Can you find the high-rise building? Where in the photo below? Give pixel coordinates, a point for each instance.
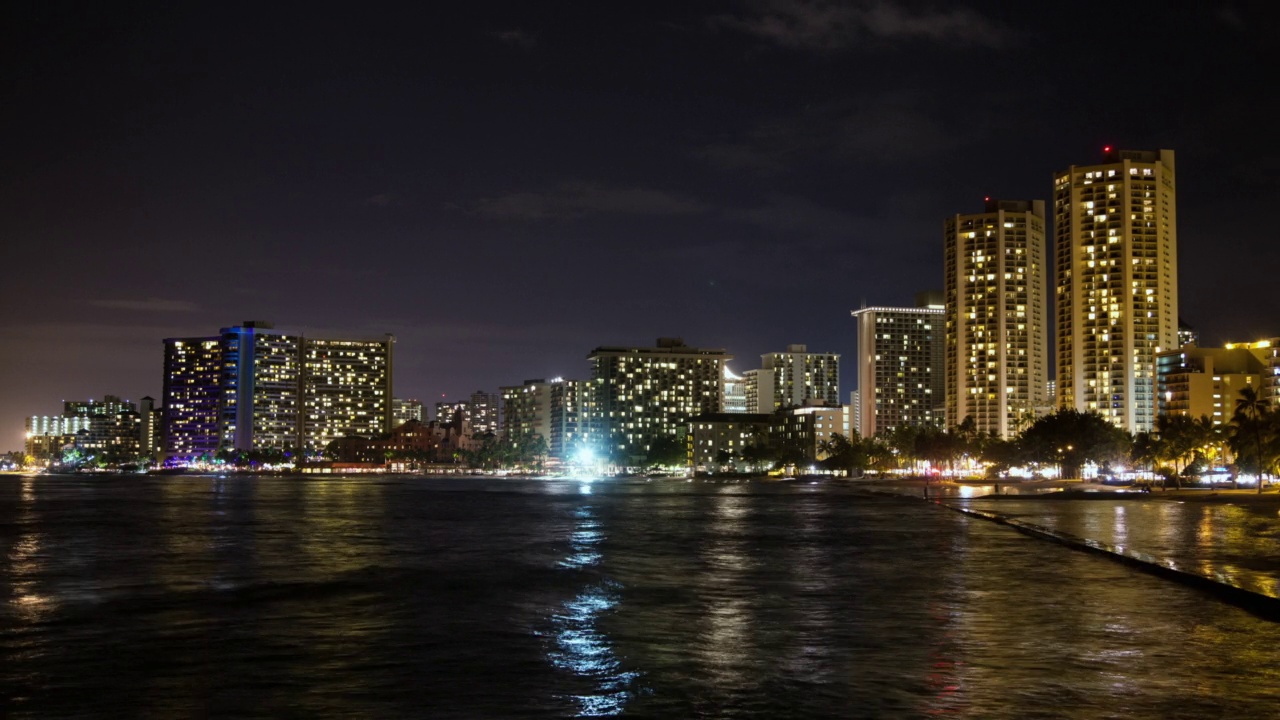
(526, 410)
(260, 394)
(346, 389)
(485, 410)
(642, 394)
(900, 366)
(150, 437)
(192, 396)
(796, 377)
(1115, 231)
(757, 383)
(997, 356)
(735, 392)
(855, 413)
(570, 412)
(252, 389)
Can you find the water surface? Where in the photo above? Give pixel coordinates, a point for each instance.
(481, 597)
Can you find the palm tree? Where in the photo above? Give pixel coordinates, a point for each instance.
(1145, 451)
(1247, 420)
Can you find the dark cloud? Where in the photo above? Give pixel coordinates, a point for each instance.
(575, 200)
(887, 128)
(152, 304)
(380, 200)
(825, 26)
(1230, 17)
(516, 38)
(798, 218)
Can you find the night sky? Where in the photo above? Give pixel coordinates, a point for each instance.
(505, 186)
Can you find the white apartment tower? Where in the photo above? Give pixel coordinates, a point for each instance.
(900, 366)
(796, 378)
(997, 354)
(1115, 232)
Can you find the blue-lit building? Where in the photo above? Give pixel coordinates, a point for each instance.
(251, 388)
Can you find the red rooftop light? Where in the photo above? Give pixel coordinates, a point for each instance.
(1106, 149)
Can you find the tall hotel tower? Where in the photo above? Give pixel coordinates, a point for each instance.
(996, 339)
(900, 358)
(1115, 227)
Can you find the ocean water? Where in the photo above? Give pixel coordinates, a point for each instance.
(391, 597)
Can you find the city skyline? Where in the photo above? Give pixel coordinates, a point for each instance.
(504, 188)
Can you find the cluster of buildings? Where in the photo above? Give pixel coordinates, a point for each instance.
(982, 351)
(121, 430)
(978, 349)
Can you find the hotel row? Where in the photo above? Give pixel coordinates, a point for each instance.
(979, 349)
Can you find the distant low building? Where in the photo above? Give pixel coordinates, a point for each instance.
(717, 437)
(1196, 381)
(405, 410)
(807, 429)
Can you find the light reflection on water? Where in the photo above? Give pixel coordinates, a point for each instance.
(581, 647)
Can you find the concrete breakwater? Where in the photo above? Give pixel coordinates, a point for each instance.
(1258, 601)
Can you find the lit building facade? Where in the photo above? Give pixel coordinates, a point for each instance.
(796, 377)
(1187, 335)
(735, 392)
(755, 384)
(108, 405)
(900, 367)
(150, 426)
(402, 411)
(727, 433)
(641, 394)
(485, 409)
(447, 412)
(570, 412)
(346, 389)
(1205, 382)
(807, 429)
(56, 424)
(192, 396)
(855, 413)
(526, 410)
(48, 435)
(996, 336)
(1115, 232)
(252, 389)
(260, 400)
